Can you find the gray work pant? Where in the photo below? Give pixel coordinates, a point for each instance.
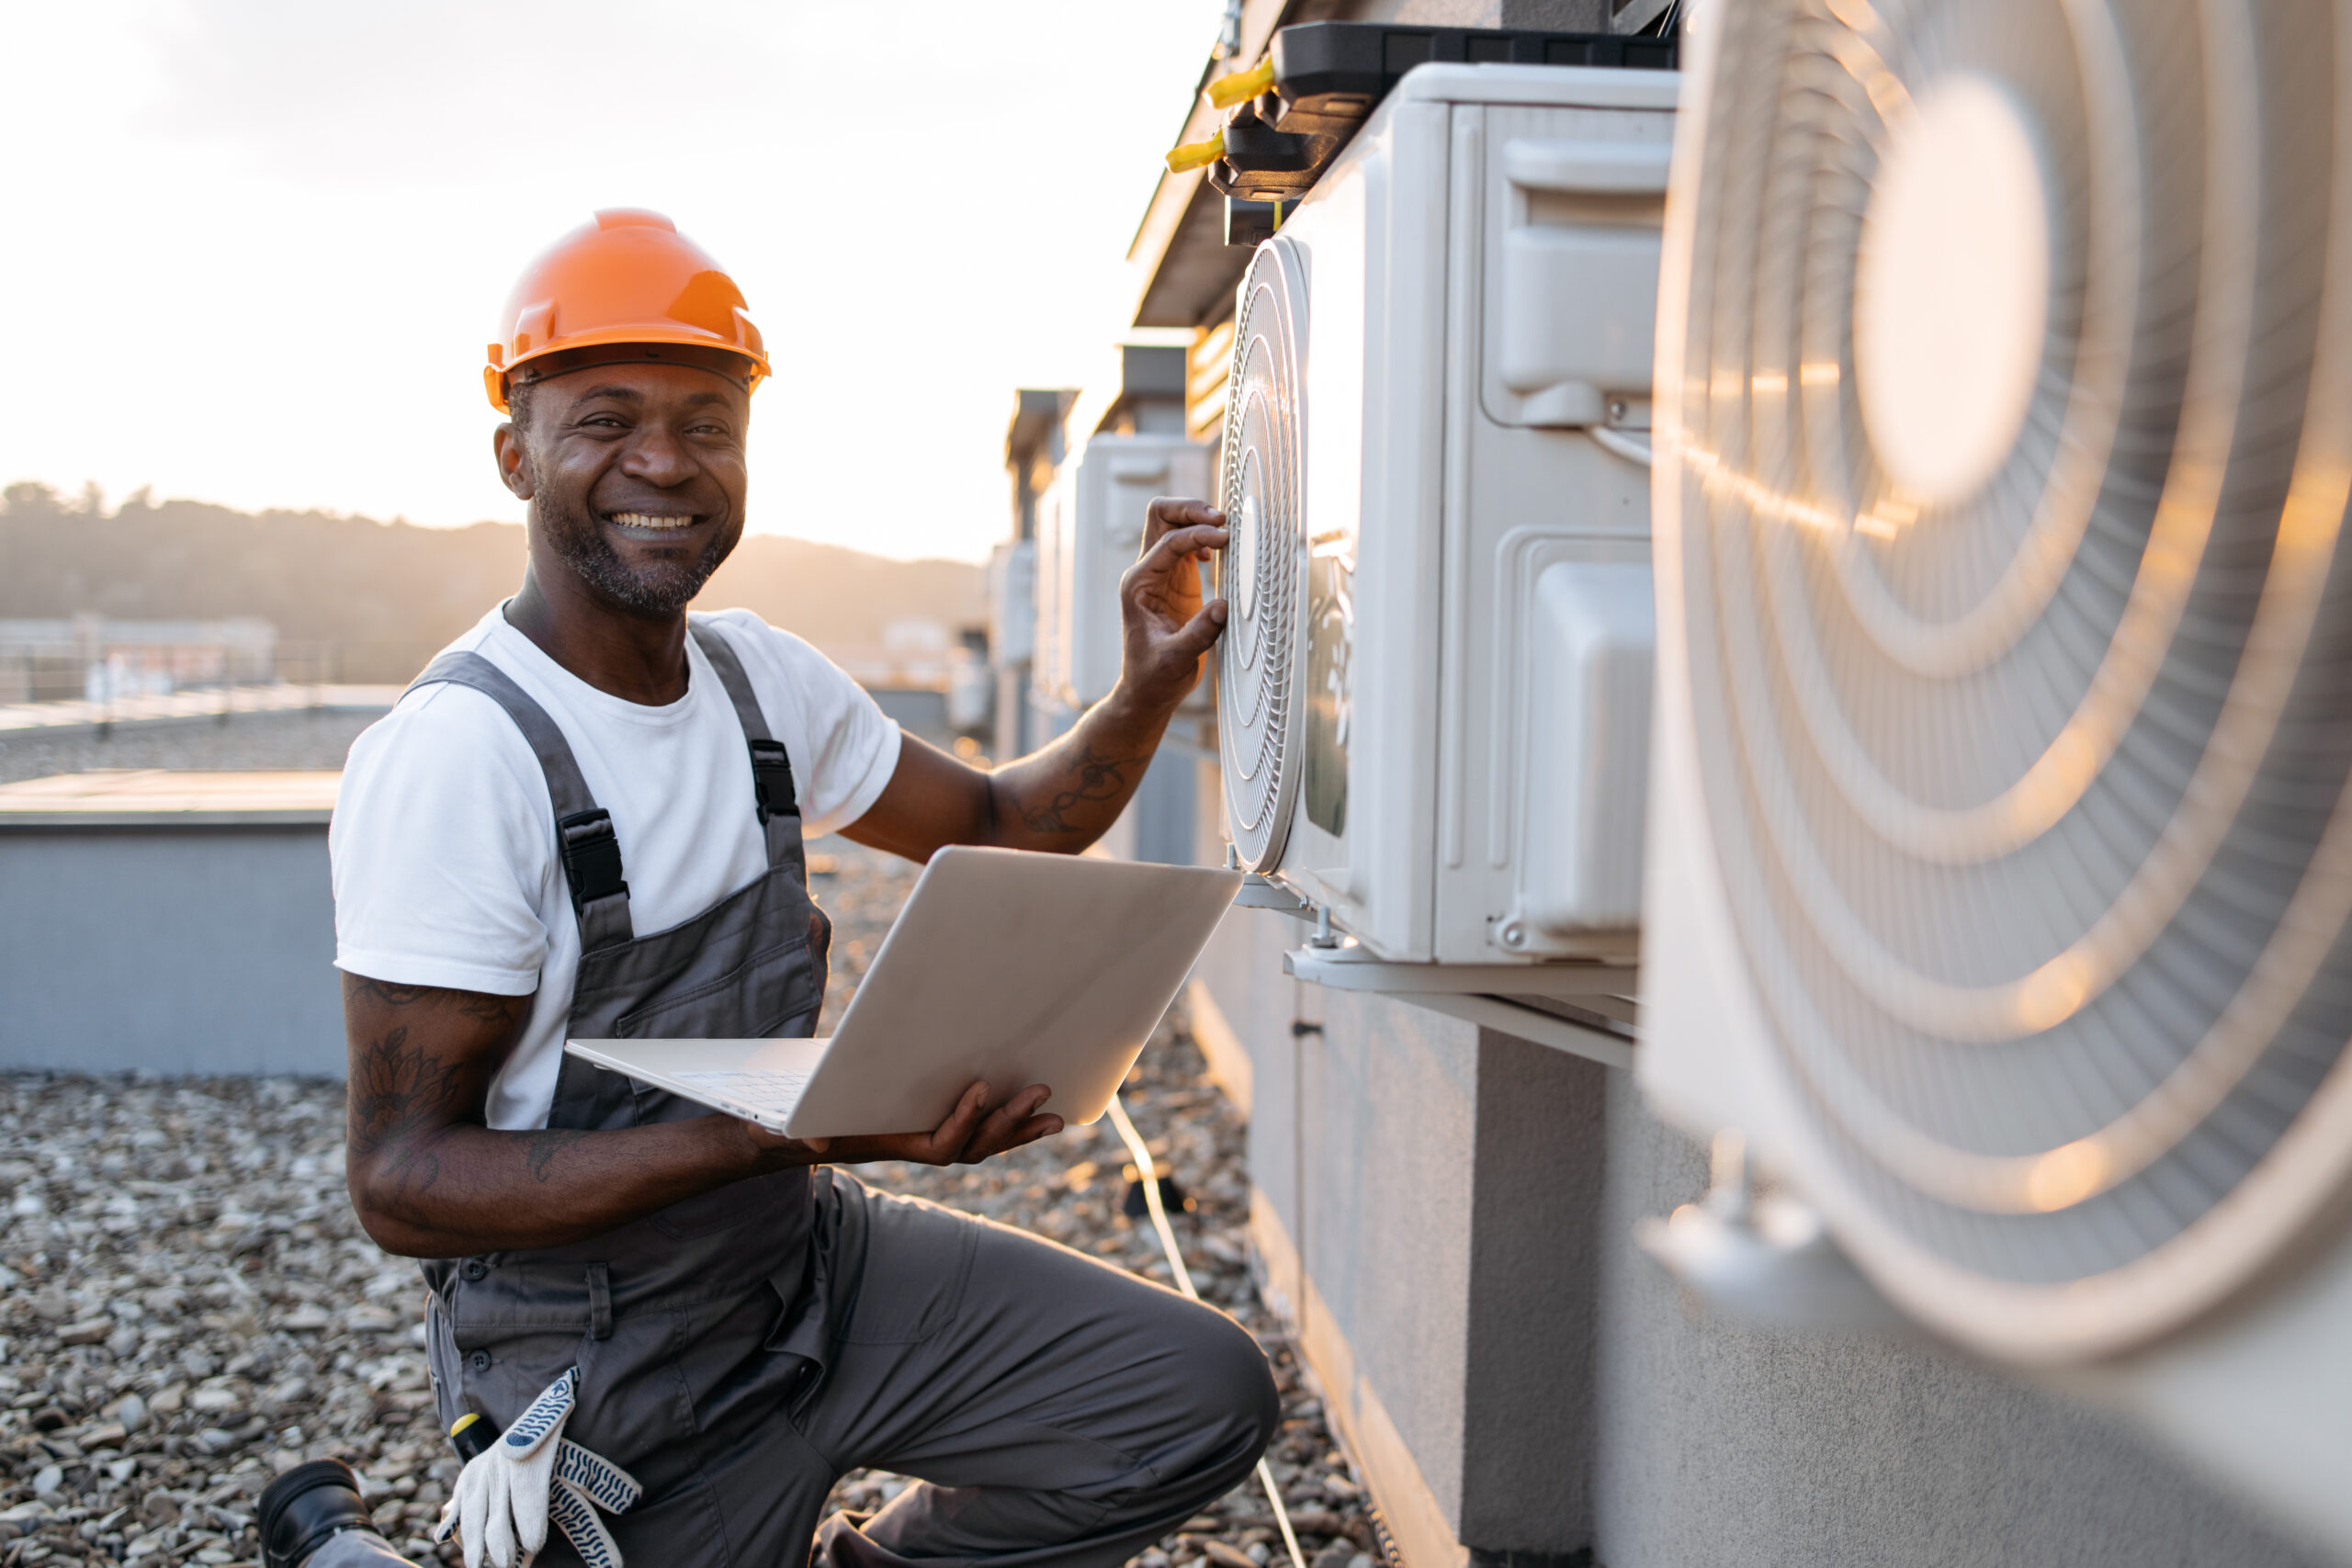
(1059, 1413)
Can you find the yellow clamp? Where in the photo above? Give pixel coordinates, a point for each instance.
(1192, 155)
(1227, 91)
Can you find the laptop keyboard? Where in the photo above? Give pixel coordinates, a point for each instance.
(766, 1096)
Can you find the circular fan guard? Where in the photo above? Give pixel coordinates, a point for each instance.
(1262, 571)
(2030, 805)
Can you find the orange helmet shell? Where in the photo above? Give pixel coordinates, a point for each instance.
(628, 277)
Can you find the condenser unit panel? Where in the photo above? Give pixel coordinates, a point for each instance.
(1049, 674)
(1592, 640)
(1012, 601)
(1091, 524)
(1426, 519)
(1574, 208)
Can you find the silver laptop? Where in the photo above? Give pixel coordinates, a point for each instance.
(1014, 967)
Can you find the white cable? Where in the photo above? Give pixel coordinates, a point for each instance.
(1149, 1175)
(1624, 447)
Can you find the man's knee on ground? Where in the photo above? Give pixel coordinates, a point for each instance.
(1230, 1385)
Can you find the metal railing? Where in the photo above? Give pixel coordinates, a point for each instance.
(111, 674)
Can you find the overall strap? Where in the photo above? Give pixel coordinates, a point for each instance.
(772, 788)
(584, 839)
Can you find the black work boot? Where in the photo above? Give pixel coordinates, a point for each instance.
(302, 1507)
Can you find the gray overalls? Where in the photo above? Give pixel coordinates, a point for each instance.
(740, 1350)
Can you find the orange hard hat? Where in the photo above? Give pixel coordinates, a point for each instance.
(628, 278)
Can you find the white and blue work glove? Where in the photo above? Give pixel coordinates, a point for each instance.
(508, 1493)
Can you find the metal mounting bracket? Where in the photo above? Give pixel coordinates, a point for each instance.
(1352, 967)
(1264, 893)
(1483, 994)
(1767, 1258)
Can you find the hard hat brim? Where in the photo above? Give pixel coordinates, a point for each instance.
(651, 337)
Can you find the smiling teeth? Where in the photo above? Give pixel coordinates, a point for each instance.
(645, 520)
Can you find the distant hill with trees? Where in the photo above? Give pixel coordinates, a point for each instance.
(386, 595)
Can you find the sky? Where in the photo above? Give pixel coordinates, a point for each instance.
(256, 246)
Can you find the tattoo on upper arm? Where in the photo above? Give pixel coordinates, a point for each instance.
(403, 1093)
(384, 993)
(474, 1005)
(487, 1009)
(1094, 780)
(400, 1094)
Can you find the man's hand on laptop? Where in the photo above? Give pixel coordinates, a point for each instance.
(429, 1180)
(971, 1133)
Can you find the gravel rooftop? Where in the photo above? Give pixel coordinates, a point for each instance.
(303, 739)
(188, 1306)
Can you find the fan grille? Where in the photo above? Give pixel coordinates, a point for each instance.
(2030, 806)
(1261, 569)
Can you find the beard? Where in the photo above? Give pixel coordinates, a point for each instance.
(659, 589)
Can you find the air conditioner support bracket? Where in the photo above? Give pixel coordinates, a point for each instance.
(1467, 991)
(1767, 1258)
(1350, 967)
(1265, 893)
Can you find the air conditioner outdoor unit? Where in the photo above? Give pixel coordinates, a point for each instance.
(1090, 530)
(1012, 601)
(1050, 586)
(1434, 688)
(2001, 860)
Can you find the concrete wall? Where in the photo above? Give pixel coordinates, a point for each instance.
(1424, 1198)
(1445, 1215)
(1717, 1443)
(1158, 823)
(181, 950)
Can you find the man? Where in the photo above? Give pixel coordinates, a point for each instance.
(585, 820)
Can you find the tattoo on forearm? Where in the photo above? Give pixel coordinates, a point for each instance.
(541, 1147)
(1095, 779)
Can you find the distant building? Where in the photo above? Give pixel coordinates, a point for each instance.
(90, 658)
(1032, 450)
(1141, 391)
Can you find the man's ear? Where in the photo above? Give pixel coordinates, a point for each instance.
(514, 460)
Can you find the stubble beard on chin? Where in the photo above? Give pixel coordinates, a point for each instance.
(661, 589)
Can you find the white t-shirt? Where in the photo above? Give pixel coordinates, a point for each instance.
(442, 839)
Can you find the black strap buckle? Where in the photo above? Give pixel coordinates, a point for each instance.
(591, 857)
(771, 781)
